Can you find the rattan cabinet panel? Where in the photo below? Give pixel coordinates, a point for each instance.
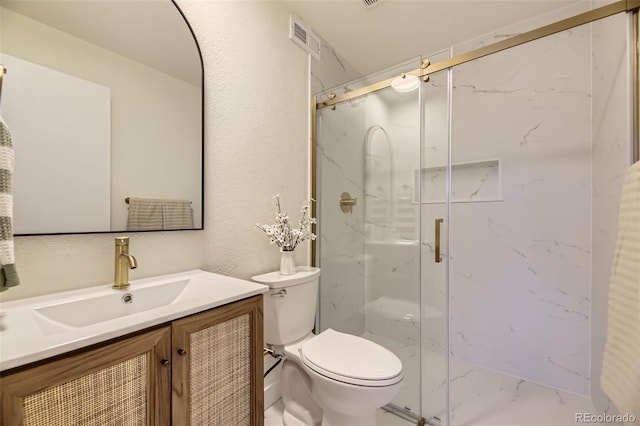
(217, 372)
(122, 383)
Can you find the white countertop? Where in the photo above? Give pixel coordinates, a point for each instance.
(27, 336)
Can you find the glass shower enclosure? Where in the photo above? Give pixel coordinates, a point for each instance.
(469, 225)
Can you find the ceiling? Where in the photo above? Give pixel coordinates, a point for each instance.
(369, 38)
(393, 31)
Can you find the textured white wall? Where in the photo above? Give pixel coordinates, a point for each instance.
(256, 137)
(257, 106)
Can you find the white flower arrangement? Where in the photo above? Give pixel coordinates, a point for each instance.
(282, 234)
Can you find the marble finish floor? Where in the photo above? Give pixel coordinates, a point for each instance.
(479, 396)
(528, 404)
(273, 417)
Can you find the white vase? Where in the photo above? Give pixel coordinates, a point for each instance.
(287, 262)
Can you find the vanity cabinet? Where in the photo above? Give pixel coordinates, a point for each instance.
(204, 369)
(217, 366)
(119, 383)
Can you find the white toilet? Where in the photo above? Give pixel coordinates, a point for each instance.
(329, 379)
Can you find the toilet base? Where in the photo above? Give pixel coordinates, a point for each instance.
(342, 419)
(289, 420)
(300, 409)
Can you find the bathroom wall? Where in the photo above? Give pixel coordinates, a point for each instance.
(563, 147)
(331, 70)
(341, 248)
(350, 266)
(257, 139)
(257, 105)
(610, 130)
(520, 275)
(342, 251)
(132, 84)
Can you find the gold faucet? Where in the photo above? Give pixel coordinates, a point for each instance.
(124, 262)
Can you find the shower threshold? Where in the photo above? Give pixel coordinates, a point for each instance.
(408, 415)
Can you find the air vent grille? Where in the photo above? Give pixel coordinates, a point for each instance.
(371, 3)
(299, 33)
(304, 38)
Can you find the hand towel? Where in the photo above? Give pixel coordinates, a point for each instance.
(147, 214)
(620, 376)
(8, 273)
(177, 214)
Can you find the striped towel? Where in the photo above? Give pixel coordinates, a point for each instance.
(148, 214)
(177, 214)
(8, 273)
(620, 376)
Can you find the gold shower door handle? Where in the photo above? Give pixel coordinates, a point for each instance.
(438, 222)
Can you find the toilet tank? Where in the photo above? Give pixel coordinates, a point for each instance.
(290, 305)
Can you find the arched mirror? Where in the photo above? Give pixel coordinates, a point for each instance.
(104, 99)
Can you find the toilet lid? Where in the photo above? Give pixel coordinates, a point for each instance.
(350, 358)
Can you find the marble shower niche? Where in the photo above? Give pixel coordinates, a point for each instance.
(472, 181)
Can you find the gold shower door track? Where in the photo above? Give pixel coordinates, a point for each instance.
(547, 30)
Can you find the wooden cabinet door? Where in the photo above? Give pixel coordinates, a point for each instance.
(121, 383)
(217, 366)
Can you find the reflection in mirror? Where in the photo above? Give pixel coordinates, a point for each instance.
(104, 104)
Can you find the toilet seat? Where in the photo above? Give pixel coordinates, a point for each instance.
(351, 359)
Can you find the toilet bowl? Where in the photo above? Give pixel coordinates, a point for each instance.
(329, 379)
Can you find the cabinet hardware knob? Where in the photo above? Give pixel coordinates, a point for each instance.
(165, 362)
(182, 352)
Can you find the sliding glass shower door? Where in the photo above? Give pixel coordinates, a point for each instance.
(373, 241)
(433, 179)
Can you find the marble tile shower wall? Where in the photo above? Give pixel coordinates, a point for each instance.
(520, 272)
(341, 243)
(343, 262)
(393, 215)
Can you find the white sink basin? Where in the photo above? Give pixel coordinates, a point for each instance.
(40, 327)
(92, 310)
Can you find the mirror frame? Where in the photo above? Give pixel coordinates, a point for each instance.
(202, 150)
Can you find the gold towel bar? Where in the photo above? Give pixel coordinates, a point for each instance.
(126, 200)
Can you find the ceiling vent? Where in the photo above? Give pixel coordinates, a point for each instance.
(304, 37)
(371, 3)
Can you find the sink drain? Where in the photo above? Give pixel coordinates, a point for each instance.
(127, 298)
